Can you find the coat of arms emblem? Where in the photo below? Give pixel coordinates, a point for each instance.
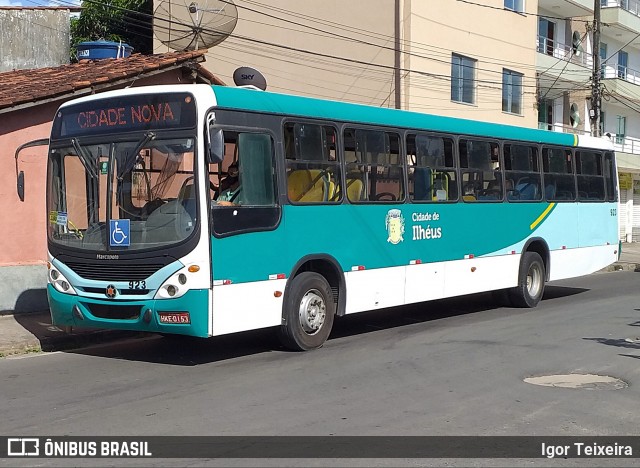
(395, 226)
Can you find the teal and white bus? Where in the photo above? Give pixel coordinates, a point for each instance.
(205, 210)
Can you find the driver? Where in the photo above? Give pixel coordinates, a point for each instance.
(229, 186)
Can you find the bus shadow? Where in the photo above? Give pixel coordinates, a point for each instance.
(188, 351)
(185, 350)
(432, 311)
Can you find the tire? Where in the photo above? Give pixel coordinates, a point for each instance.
(308, 312)
(502, 297)
(531, 280)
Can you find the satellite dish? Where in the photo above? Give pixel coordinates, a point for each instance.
(247, 76)
(576, 44)
(191, 25)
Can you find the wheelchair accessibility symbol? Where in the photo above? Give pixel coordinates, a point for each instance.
(119, 230)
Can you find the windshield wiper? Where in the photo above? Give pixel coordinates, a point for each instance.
(84, 159)
(133, 156)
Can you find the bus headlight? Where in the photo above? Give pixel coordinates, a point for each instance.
(58, 281)
(175, 285)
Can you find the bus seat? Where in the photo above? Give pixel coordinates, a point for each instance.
(528, 189)
(550, 191)
(308, 185)
(355, 188)
(422, 184)
(469, 192)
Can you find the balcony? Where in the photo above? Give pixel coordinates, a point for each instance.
(621, 81)
(623, 20)
(556, 60)
(632, 6)
(623, 73)
(567, 8)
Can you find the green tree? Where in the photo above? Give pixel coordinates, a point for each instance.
(129, 21)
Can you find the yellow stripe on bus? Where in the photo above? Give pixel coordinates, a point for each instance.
(542, 216)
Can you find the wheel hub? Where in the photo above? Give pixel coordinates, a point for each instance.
(534, 281)
(312, 312)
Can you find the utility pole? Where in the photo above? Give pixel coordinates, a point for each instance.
(596, 95)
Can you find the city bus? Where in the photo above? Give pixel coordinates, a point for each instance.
(208, 210)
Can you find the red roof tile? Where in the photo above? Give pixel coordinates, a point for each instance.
(21, 87)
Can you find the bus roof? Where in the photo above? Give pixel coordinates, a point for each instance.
(263, 101)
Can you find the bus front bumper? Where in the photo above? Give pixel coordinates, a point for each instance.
(187, 315)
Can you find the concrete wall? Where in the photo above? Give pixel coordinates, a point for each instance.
(23, 238)
(33, 38)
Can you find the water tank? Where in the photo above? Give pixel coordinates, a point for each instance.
(96, 50)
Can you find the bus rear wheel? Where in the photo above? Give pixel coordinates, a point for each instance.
(531, 279)
(308, 312)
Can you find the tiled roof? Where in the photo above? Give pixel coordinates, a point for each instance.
(20, 88)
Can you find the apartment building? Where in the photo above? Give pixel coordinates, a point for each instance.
(565, 68)
(391, 53)
(518, 62)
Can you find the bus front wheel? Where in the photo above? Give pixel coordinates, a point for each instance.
(308, 312)
(531, 280)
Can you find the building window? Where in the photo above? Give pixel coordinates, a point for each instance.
(603, 60)
(546, 36)
(511, 91)
(545, 114)
(463, 71)
(621, 129)
(623, 63)
(515, 5)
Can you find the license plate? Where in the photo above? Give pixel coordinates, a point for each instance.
(174, 317)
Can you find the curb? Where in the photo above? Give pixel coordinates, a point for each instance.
(623, 266)
(64, 341)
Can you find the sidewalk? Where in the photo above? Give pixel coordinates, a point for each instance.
(33, 332)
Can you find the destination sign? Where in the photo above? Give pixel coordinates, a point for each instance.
(126, 114)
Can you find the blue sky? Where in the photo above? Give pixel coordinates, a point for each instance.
(37, 3)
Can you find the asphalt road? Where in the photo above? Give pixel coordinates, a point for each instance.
(450, 367)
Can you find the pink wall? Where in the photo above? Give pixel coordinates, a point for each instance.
(23, 224)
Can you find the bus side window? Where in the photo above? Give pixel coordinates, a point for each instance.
(481, 176)
(376, 175)
(559, 181)
(590, 176)
(432, 173)
(523, 180)
(313, 171)
(609, 177)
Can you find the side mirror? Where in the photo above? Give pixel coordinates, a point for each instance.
(21, 185)
(215, 145)
(20, 174)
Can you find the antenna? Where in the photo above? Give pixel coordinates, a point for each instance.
(189, 25)
(249, 78)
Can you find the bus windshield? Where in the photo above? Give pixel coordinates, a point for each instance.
(134, 194)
